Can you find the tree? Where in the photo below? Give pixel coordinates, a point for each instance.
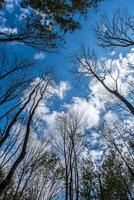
(115, 181)
(90, 66)
(42, 177)
(11, 75)
(35, 96)
(39, 175)
(118, 133)
(114, 184)
(47, 22)
(15, 79)
(87, 189)
(116, 31)
(69, 128)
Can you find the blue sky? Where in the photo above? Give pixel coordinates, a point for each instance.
(70, 94)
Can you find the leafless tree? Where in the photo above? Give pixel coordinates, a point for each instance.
(39, 175)
(15, 78)
(90, 66)
(12, 65)
(34, 98)
(69, 127)
(93, 68)
(116, 31)
(39, 172)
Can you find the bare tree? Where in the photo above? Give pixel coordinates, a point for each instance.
(36, 96)
(69, 128)
(39, 176)
(39, 172)
(15, 78)
(116, 31)
(12, 65)
(92, 67)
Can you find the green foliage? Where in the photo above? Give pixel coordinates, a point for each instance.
(61, 12)
(48, 21)
(87, 179)
(110, 182)
(115, 179)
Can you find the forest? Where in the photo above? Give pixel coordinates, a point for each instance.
(66, 100)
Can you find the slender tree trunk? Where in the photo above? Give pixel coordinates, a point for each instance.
(101, 189)
(10, 175)
(76, 175)
(129, 168)
(116, 94)
(7, 132)
(71, 175)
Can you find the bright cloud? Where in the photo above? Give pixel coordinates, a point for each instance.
(87, 109)
(98, 96)
(96, 155)
(39, 56)
(7, 30)
(119, 72)
(112, 53)
(62, 88)
(11, 5)
(122, 70)
(111, 117)
(43, 115)
(43, 111)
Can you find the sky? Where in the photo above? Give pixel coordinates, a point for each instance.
(88, 98)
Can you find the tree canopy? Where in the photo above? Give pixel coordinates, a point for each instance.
(47, 22)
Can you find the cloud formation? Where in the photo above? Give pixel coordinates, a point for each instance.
(39, 56)
(62, 89)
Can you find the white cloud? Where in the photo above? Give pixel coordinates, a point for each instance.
(50, 118)
(43, 113)
(111, 117)
(103, 28)
(7, 30)
(62, 88)
(120, 68)
(24, 13)
(87, 109)
(11, 5)
(98, 96)
(112, 53)
(121, 71)
(96, 155)
(39, 56)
